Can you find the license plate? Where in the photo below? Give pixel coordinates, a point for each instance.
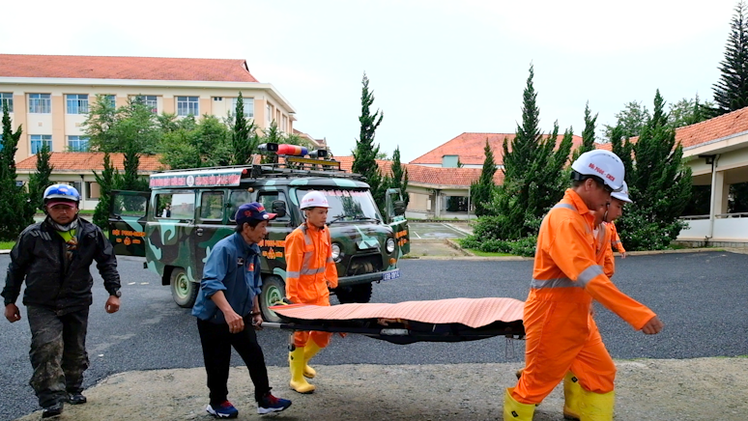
(393, 274)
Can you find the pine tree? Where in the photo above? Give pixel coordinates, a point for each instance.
(481, 191)
(659, 184)
(731, 92)
(39, 180)
(364, 156)
(399, 176)
(13, 207)
(108, 180)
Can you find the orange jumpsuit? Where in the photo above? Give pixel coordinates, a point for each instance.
(561, 335)
(309, 271)
(603, 252)
(614, 241)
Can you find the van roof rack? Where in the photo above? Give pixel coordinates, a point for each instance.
(289, 167)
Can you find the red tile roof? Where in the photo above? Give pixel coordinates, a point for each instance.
(433, 176)
(469, 147)
(89, 161)
(139, 68)
(707, 131)
(713, 129)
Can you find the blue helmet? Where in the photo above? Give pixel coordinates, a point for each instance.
(61, 192)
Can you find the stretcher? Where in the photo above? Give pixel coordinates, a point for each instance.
(448, 320)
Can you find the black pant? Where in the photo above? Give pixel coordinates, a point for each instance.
(217, 342)
(58, 352)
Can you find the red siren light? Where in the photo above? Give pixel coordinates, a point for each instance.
(292, 150)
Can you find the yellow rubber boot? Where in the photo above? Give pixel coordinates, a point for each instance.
(515, 411)
(310, 350)
(597, 406)
(297, 363)
(572, 395)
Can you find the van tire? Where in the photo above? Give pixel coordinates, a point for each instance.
(273, 290)
(360, 293)
(183, 291)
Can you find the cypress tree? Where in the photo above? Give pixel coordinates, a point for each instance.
(731, 92)
(39, 180)
(13, 205)
(659, 184)
(244, 138)
(588, 135)
(108, 181)
(481, 191)
(364, 156)
(533, 179)
(399, 176)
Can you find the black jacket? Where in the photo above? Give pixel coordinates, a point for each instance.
(52, 280)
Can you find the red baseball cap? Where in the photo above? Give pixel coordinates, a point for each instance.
(68, 203)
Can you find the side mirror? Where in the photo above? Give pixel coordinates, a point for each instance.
(399, 207)
(279, 208)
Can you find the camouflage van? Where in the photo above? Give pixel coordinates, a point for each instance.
(187, 212)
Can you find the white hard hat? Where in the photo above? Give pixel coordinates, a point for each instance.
(314, 199)
(603, 164)
(622, 195)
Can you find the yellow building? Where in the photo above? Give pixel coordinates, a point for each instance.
(50, 95)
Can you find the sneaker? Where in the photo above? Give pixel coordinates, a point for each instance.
(270, 403)
(52, 411)
(76, 398)
(224, 410)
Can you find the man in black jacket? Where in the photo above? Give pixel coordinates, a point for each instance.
(54, 258)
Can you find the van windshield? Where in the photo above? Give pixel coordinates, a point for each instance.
(347, 205)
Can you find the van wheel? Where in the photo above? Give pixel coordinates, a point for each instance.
(183, 291)
(273, 291)
(354, 294)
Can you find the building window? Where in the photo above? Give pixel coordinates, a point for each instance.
(249, 107)
(77, 103)
(40, 140)
(151, 101)
(284, 127)
(78, 143)
(6, 100)
(269, 114)
(188, 105)
(110, 99)
(93, 190)
(40, 104)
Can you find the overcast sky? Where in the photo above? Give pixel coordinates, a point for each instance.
(437, 68)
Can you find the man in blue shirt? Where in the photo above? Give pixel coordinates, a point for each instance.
(228, 312)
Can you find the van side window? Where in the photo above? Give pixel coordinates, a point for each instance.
(126, 205)
(267, 198)
(236, 199)
(211, 205)
(181, 205)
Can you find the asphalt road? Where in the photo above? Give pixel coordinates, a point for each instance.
(701, 297)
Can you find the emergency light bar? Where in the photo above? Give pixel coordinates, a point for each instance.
(290, 150)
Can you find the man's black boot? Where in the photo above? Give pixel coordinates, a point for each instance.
(52, 410)
(76, 398)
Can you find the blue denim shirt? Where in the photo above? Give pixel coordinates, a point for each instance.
(233, 267)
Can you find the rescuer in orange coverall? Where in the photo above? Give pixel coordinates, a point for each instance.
(310, 271)
(604, 234)
(617, 201)
(566, 278)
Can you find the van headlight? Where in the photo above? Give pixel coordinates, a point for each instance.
(335, 252)
(390, 245)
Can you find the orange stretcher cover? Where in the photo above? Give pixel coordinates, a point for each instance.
(451, 320)
(471, 312)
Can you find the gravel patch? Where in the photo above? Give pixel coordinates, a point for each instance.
(690, 389)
